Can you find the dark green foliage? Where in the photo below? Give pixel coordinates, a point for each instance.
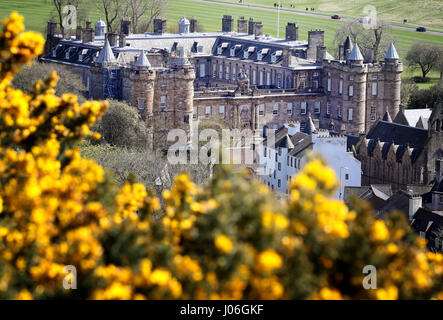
(122, 126)
(70, 82)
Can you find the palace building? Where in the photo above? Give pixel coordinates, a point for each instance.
(239, 78)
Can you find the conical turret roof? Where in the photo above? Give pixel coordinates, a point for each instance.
(347, 45)
(387, 117)
(142, 60)
(310, 127)
(355, 54)
(106, 55)
(391, 54)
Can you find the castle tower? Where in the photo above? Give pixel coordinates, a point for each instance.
(51, 38)
(104, 73)
(174, 100)
(392, 70)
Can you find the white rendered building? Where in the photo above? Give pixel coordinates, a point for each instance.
(281, 160)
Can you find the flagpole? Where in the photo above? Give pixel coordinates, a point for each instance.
(278, 20)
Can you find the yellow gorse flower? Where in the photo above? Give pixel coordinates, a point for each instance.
(58, 209)
(223, 243)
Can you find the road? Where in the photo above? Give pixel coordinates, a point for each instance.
(235, 5)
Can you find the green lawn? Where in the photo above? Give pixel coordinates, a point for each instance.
(209, 15)
(425, 12)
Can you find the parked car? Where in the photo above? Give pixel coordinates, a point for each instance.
(420, 29)
(336, 16)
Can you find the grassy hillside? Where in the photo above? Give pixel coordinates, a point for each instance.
(427, 12)
(209, 15)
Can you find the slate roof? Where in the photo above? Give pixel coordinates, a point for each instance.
(438, 187)
(401, 118)
(79, 54)
(106, 54)
(399, 201)
(355, 54)
(375, 194)
(387, 117)
(347, 45)
(414, 116)
(427, 221)
(285, 142)
(400, 134)
(254, 48)
(142, 60)
(351, 141)
(392, 53)
(302, 144)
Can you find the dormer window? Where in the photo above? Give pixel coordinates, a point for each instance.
(223, 46)
(275, 55)
(232, 53)
(200, 49)
(245, 54)
(259, 56)
(96, 56)
(82, 54)
(68, 52)
(54, 51)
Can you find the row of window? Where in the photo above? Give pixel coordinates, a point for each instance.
(289, 110)
(350, 88)
(141, 102)
(257, 77)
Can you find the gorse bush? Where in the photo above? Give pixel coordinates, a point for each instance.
(230, 238)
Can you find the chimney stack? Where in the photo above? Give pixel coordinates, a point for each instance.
(88, 35)
(315, 38)
(122, 40)
(369, 55)
(112, 38)
(251, 26)
(227, 24)
(258, 29)
(341, 54)
(292, 31)
(415, 203)
(193, 26)
(242, 25)
(52, 28)
(125, 27)
(78, 33)
(159, 26)
(321, 54)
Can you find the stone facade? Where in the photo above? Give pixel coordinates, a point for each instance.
(393, 153)
(288, 80)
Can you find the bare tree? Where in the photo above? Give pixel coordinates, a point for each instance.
(425, 57)
(143, 12)
(112, 10)
(376, 38)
